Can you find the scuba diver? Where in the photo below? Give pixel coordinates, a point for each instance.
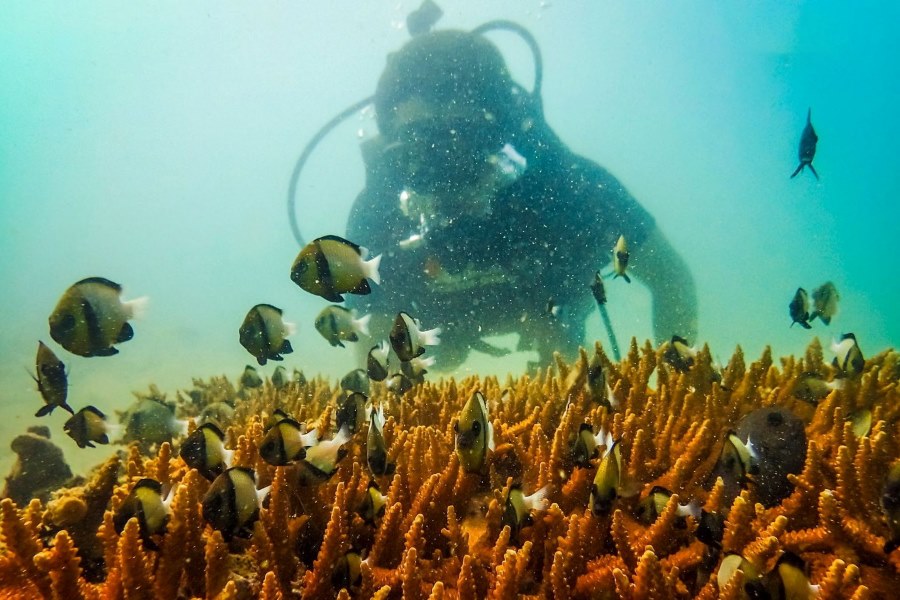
(487, 222)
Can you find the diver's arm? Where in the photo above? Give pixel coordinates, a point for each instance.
(659, 266)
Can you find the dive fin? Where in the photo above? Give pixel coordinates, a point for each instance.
(45, 410)
(813, 169)
(286, 347)
(126, 333)
(799, 168)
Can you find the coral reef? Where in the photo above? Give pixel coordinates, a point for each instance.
(440, 535)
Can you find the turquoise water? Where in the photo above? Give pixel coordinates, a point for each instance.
(153, 145)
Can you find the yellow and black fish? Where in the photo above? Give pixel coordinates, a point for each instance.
(51, 379)
(286, 442)
(620, 259)
(607, 481)
(586, 446)
(90, 317)
(338, 324)
(376, 449)
(377, 362)
(372, 507)
(409, 340)
(231, 505)
(848, 359)
(204, 450)
(890, 504)
(789, 580)
(276, 417)
(649, 509)
(517, 508)
(330, 266)
(474, 434)
(416, 369)
(356, 381)
(811, 387)
(825, 299)
(807, 151)
(322, 458)
(598, 289)
(250, 378)
(87, 427)
(264, 333)
(754, 587)
(146, 503)
(347, 572)
(679, 354)
(799, 309)
(351, 411)
(398, 383)
(738, 460)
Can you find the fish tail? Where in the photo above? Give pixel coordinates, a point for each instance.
(813, 169)
(372, 269)
(537, 500)
(797, 170)
(430, 337)
(362, 324)
(626, 277)
(137, 308)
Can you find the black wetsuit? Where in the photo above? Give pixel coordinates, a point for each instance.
(548, 232)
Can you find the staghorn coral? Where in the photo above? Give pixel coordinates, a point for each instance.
(441, 536)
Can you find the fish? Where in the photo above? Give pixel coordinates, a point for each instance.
(373, 504)
(598, 289)
(275, 418)
(87, 427)
(351, 411)
(338, 324)
(330, 266)
(280, 379)
(517, 507)
(409, 340)
(376, 449)
(399, 383)
(347, 572)
(422, 19)
(145, 502)
(553, 309)
(474, 434)
(890, 504)
(286, 442)
(377, 361)
(416, 369)
(299, 377)
(799, 309)
(597, 385)
(811, 387)
(250, 377)
(825, 299)
(587, 444)
(754, 587)
(90, 318)
(711, 528)
(620, 259)
(739, 460)
(607, 481)
(789, 579)
(649, 509)
(322, 458)
(51, 379)
(807, 150)
(848, 358)
(264, 333)
(356, 381)
(231, 505)
(679, 354)
(204, 450)
(861, 421)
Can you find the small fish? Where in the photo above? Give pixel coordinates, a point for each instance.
(277, 416)
(299, 377)
(861, 421)
(423, 18)
(552, 309)
(322, 458)
(890, 504)
(848, 358)
(50, 376)
(204, 450)
(620, 259)
(518, 507)
(679, 354)
(231, 505)
(607, 481)
(416, 369)
(250, 377)
(280, 379)
(399, 383)
(649, 509)
(711, 528)
(88, 426)
(263, 333)
(587, 444)
(373, 504)
(356, 381)
(807, 151)
(474, 434)
(376, 449)
(597, 385)
(377, 362)
(351, 411)
(330, 266)
(739, 460)
(598, 289)
(146, 503)
(407, 338)
(789, 579)
(347, 572)
(90, 318)
(812, 388)
(286, 442)
(799, 309)
(338, 324)
(753, 584)
(825, 299)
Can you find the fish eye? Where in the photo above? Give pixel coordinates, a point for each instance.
(476, 427)
(456, 427)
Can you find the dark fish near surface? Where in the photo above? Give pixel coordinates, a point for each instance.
(91, 317)
(356, 381)
(264, 333)
(423, 18)
(338, 324)
(231, 505)
(807, 152)
(330, 266)
(474, 434)
(825, 299)
(351, 411)
(376, 449)
(87, 427)
(250, 377)
(280, 379)
(799, 309)
(407, 338)
(598, 289)
(399, 383)
(51, 379)
(890, 504)
(518, 507)
(848, 359)
(620, 259)
(146, 503)
(204, 450)
(377, 362)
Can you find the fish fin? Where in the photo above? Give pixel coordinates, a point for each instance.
(626, 277)
(103, 439)
(333, 296)
(490, 436)
(104, 352)
(826, 320)
(813, 169)
(262, 360)
(336, 342)
(372, 269)
(353, 337)
(45, 410)
(337, 238)
(125, 334)
(362, 324)
(804, 324)
(101, 281)
(66, 406)
(362, 288)
(286, 347)
(797, 171)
